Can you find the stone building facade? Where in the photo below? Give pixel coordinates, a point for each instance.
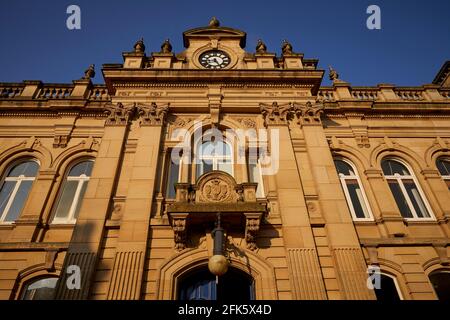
(359, 179)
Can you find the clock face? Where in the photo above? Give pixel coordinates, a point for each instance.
(214, 59)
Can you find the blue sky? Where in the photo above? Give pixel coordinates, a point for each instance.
(409, 49)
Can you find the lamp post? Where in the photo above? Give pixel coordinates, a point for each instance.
(218, 263)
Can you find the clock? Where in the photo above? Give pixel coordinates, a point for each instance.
(214, 59)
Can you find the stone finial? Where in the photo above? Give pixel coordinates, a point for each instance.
(90, 72)
(139, 46)
(214, 23)
(166, 47)
(333, 74)
(286, 48)
(261, 47)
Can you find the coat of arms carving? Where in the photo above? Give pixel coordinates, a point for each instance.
(216, 190)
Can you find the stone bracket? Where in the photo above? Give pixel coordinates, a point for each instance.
(252, 224)
(179, 223)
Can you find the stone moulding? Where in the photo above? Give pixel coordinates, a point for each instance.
(216, 192)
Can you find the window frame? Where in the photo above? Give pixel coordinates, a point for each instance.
(446, 178)
(198, 157)
(168, 173)
(18, 181)
(399, 179)
(32, 281)
(261, 177)
(396, 284)
(342, 180)
(70, 220)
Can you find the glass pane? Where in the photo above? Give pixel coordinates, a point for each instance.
(84, 167)
(80, 198)
(216, 148)
(43, 289)
(67, 197)
(255, 176)
(356, 197)
(441, 285)
(28, 169)
(344, 168)
(19, 201)
(172, 179)
(204, 167)
(388, 290)
(400, 199)
(5, 193)
(225, 165)
(391, 167)
(443, 166)
(416, 199)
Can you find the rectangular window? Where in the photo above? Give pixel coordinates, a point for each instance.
(416, 199)
(400, 199)
(172, 179)
(357, 199)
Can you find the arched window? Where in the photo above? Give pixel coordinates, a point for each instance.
(407, 194)
(15, 187)
(42, 289)
(441, 284)
(443, 165)
(234, 285)
(72, 192)
(354, 193)
(388, 289)
(214, 155)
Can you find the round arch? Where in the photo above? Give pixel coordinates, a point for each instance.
(187, 261)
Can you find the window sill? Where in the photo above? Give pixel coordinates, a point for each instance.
(62, 225)
(7, 225)
(430, 221)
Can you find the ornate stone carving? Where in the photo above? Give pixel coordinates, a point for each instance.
(179, 230)
(152, 115)
(333, 74)
(251, 229)
(215, 187)
(286, 48)
(247, 122)
(261, 47)
(166, 47)
(275, 114)
(214, 23)
(308, 114)
(119, 115)
(139, 46)
(90, 72)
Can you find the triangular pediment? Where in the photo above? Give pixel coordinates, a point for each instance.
(216, 32)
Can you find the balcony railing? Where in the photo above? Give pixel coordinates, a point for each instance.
(365, 94)
(11, 91)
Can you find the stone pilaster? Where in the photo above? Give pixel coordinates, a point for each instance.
(88, 231)
(126, 276)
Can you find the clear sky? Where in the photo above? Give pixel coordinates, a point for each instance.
(410, 48)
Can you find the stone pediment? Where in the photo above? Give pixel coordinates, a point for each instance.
(214, 32)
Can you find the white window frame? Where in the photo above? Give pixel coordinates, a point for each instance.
(397, 286)
(444, 177)
(18, 181)
(81, 181)
(263, 191)
(399, 178)
(199, 157)
(342, 179)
